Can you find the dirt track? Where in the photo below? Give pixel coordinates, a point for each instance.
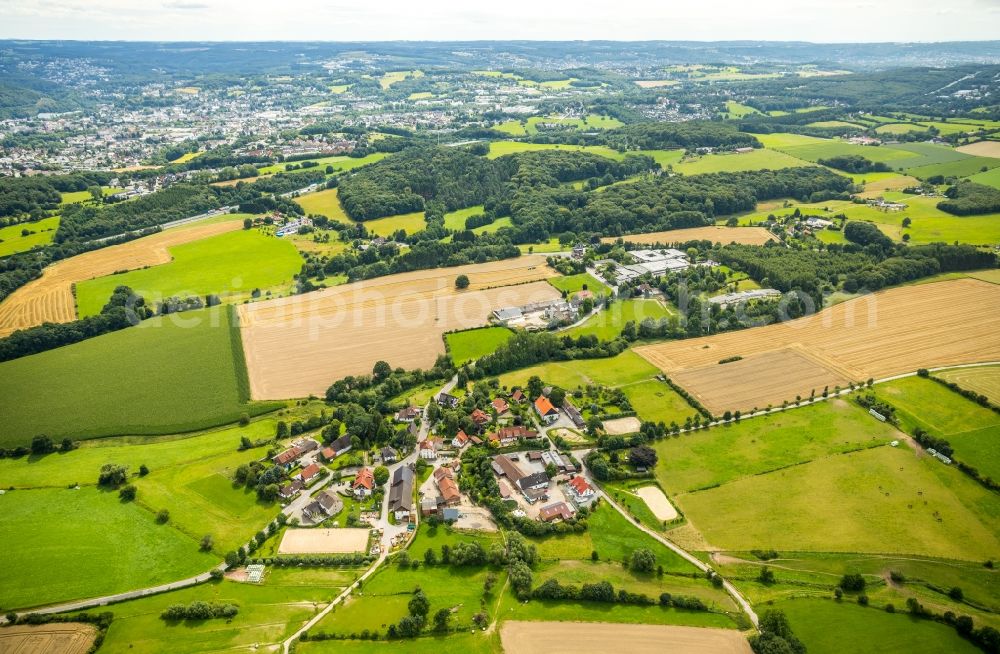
(880, 335)
(598, 638)
(50, 297)
(299, 345)
(714, 233)
(64, 638)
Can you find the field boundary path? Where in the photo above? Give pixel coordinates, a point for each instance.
(741, 601)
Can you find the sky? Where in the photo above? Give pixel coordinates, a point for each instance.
(821, 21)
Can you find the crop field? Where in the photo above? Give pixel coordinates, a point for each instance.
(961, 168)
(64, 544)
(973, 430)
(50, 298)
(826, 148)
(877, 336)
(471, 344)
(411, 223)
(655, 401)
(298, 345)
(759, 159)
(325, 203)
(500, 148)
(572, 284)
(984, 380)
(780, 140)
(269, 613)
(834, 123)
(714, 233)
(607, 324)
(827, 627)
(883, 499)
(597, 638)
(42, 233)
(217, 265)
(167, 375)
(324, 541)
(655, 83)
(981, 149)
(722, 454)
(65, 638)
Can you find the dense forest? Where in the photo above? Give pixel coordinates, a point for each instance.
(970, 199)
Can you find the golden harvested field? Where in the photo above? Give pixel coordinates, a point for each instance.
(714, 233)
(984, 380)
(50, 297)
(65, 638)
(324, 541)
(739, 385)
(597, 638)
(299, 345)
(899, 182)
(880, 335)
(982, 149)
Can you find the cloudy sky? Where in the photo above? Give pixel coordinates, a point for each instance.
(355, 20)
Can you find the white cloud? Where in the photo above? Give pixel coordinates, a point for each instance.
(796, 20)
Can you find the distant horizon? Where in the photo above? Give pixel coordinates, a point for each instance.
(810, 21)
(492, 40)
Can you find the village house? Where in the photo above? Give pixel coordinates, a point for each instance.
(388, 454)
(309, 473)
(480, 417)
(581, 492)
(341, 446)
(555, 512)
(290, 490)
(428, 449)
(329, 502)
(328, 454)
(288, 458)
(517, 396)
(460, 440)
(545, 410)
(364, 483)
(401, 492)
(428, 506)
(450, 401)
(449, 491)
(536, 481)
(409, 414)
(500, 406)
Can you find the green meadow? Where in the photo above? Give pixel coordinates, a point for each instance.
(411, 223)
(883, 499)
(736, 110)
(626, 368)
(655, 401)
(325, 203)
(472, 344)
(972, 430)
(501, 148)
(64, 544)
(607, 324)
(42, 233)
(571, 284)
(961, 168)
(268, 614)
(461, 643)
(981, 379)
(708, 458)
(990, 177)
(456, 219)
(229, 265)
(340, 163)
(170, 374)
(759, 159)
(829, 627)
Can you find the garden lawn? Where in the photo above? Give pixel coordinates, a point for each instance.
(828, 627)
(759, 159)
(325, 203)
(626, 368)
(472, 344)
(229, 265)
(171, 374)
(655, 401)
(704, 459)
(607, 325)
(572, 284)
(62, 544)
(879, 500)
(268, 614)
(972, 430)
(43, 231)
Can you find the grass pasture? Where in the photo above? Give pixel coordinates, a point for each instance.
(218, 265)
(472, 344)
(572, 284)
(456, 219)
(607, 324)
(64, 544)
(990, 178)
(460, 643)
(959, 168)
(759, 159)
(626, 368)
(325, 203)
(826, 148)
(877, 500)
(828, 627)
(171, 374)
(655, 401)
(42, 232)
(411, 223)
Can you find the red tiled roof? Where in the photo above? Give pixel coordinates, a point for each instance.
(580, 485)
(500, 405)
(310, 471)
(366, 478)
(544, 406)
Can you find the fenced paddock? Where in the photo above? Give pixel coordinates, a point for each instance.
(324, 541)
